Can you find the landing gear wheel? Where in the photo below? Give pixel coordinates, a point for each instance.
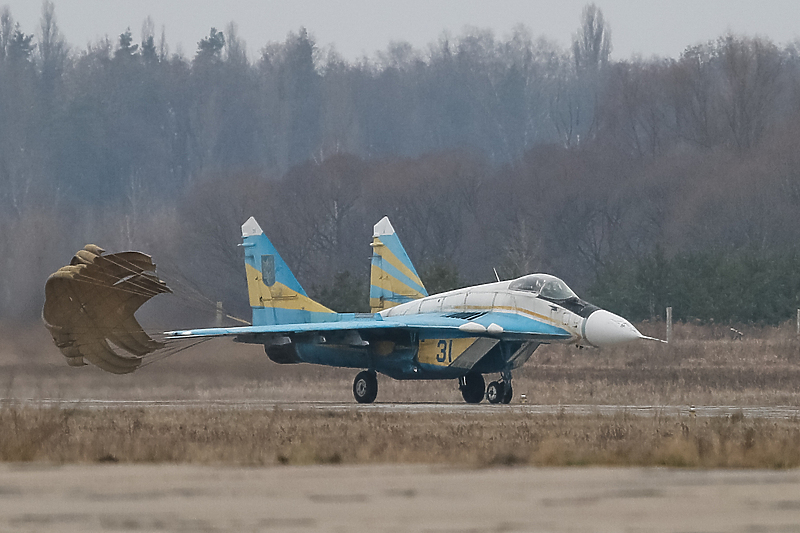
(365, 387)
(472, 387)
(508, 392)
(495, 392)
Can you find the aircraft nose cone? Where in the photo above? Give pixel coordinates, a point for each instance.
(602, 328)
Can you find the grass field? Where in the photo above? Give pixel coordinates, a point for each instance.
(703, 366)
(275, 436)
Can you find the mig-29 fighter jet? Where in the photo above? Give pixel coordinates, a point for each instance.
(461, 334)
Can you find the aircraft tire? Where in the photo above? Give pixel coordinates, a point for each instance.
(365, 387)
(495, 392)
(473, 388)
(508, 393)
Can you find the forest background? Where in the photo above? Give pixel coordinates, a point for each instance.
(640, 182)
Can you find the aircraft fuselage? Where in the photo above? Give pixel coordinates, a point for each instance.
(496, 337)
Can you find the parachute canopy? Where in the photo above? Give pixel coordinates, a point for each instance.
(91, 302)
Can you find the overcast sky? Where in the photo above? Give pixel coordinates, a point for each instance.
(361, 27)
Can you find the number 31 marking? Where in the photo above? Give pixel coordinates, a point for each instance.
(445, 351)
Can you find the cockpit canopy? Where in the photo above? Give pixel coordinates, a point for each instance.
(543, 285)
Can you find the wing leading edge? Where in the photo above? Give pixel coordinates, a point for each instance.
(504, 326)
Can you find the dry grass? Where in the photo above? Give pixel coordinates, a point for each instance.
(267, 437)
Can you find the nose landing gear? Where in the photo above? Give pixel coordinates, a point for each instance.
(500, 391)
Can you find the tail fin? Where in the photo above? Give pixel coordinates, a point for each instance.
(275, 295)
(394, 280)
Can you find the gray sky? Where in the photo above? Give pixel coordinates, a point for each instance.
(360, 27)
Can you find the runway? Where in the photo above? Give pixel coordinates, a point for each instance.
(776, 412)
(95, 498)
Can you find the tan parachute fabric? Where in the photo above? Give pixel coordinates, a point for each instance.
(92, 300)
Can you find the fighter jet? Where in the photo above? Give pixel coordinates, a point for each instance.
(461, 334)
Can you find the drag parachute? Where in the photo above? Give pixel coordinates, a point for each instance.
(90, 303)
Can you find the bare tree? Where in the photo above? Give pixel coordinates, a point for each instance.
(235, 47)
(751, 71)
(635, 113)
(52, 47)
(6, 30)
(591, 45)
(693, 86)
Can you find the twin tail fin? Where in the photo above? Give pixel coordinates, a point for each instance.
(275, 295)
(393, 278)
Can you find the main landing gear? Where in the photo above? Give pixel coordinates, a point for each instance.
(472, 388)
(365, 387)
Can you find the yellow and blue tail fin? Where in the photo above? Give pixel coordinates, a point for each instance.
(393, 278)
(275, 295)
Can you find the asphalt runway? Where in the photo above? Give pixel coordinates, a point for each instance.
(101, 498)
(778, 412)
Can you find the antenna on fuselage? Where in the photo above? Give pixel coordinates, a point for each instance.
(495, 273)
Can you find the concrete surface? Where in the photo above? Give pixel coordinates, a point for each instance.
(89, 498)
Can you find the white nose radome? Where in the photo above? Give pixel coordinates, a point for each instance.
(602, 328)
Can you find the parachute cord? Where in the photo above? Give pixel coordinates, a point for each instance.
(202, 303)
(169, 352)
(103, 278)
(90, 281)
(143, 290)
(198, 297)
(135, 272)
(191, 292)
(199, 305)
(189, 289)
(173, 271)
(205, 306)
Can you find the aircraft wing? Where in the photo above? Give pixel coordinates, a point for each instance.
(310, 327)
(505, 326)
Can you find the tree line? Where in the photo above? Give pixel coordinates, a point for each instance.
(511, 153)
